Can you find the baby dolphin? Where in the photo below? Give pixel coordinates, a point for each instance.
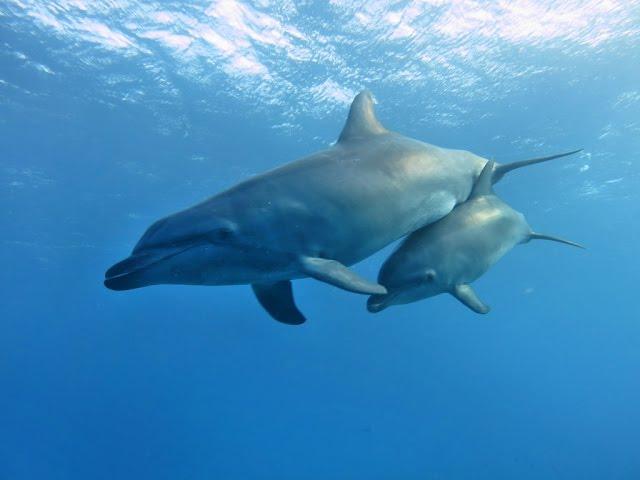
(453, 252)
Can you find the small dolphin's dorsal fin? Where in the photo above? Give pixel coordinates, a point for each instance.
(484, 182)
(362, 121)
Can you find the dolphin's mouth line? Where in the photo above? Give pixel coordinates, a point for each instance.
(141, 268)
(384, 301)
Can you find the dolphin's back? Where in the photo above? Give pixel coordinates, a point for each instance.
(352, 199)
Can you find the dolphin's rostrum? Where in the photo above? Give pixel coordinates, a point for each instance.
(447, 256)
(310, 218)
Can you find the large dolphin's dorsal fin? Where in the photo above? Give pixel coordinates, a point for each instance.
(484, 182)
(362, 121)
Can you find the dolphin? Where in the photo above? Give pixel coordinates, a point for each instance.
(313, 217)
(448, 255)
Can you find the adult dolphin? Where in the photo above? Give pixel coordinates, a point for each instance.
(309, 218)
(447, 256)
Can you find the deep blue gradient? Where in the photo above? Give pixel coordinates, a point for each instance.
(177, 382)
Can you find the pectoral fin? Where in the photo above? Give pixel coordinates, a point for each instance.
(277, 300)
(468, 296)
(335, 273)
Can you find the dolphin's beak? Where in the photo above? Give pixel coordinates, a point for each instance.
(132, 272)
(377, 303)
(126, 281)
(126, 275)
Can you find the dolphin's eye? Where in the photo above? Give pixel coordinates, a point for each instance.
(222, 234)
(430, 275)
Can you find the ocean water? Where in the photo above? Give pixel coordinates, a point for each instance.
(114, 114)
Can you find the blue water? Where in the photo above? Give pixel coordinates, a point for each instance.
(114, 114)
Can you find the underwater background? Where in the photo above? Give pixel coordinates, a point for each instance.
(116, 113)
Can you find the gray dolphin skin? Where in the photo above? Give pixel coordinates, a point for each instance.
(310, 218)
(448, 255)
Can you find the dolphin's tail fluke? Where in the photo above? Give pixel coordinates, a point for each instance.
(501, 170)
(540, 236)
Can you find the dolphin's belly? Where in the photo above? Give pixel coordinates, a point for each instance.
(352, 223)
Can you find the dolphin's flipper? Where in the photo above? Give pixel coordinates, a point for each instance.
(362, 121)
(335, 273)
(277, 299)
(468, 296)
(540, 236)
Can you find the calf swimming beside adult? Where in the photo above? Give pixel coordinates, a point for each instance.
(448, 255)
(310, 218)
